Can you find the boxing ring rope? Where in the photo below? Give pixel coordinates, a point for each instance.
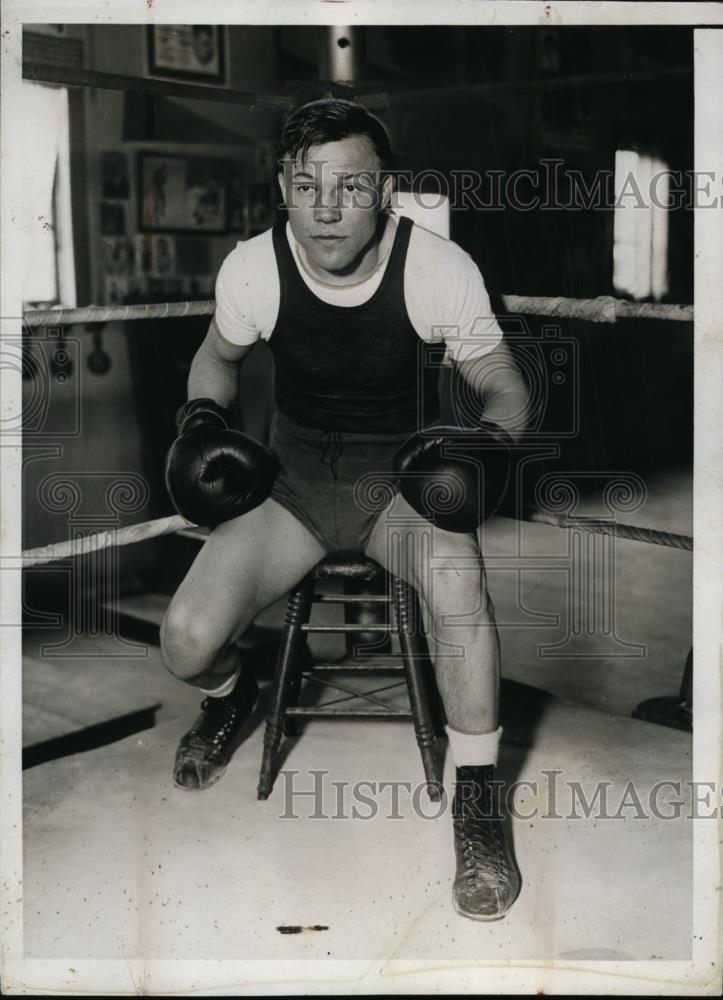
(603, 309)
(86, 544)
(171, 525)
(119, 314)
(631, 532)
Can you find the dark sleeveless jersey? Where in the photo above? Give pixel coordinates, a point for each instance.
(357, 368)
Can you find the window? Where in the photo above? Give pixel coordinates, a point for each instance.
(47, 231)
(640, 249)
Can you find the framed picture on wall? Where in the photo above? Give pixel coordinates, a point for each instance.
(182, 194)
(187, 51)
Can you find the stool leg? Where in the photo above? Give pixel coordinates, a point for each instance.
(305, 661)
(288, 665)
(415, 656)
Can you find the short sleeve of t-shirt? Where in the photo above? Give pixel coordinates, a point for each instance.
(247, 291)
(446, 297)
(444, 293)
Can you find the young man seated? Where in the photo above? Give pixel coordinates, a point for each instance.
(355, 303)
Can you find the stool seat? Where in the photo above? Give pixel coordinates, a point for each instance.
(347, 566)
(294, 664)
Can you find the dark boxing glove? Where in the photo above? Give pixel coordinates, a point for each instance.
(214, 473)
(456, 477)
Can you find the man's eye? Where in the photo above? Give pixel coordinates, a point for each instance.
(350, 187)
(303, 188)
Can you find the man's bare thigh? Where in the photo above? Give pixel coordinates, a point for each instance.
(246, 564)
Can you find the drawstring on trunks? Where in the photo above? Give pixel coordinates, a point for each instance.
(332, 448)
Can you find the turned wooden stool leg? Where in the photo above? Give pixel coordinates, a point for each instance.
(304, 660)
(290, 662)
(415, 656)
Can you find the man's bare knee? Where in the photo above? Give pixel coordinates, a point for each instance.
(189, 645)
(453, 583)
(184, 646)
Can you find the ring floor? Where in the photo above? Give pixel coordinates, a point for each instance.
(120, 863)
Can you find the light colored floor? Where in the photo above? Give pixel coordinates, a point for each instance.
(640, 652)
(119, 863)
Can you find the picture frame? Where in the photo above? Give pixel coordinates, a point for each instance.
(182, 194)
(187, 52)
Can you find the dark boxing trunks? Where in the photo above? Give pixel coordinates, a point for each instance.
(335, 483)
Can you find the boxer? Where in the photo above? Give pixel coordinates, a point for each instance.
(355, 303)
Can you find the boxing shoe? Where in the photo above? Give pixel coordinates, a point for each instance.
(205, 751)
(487, 880)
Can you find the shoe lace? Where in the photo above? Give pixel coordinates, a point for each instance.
(481, 838)
(217, 718)
(483, 851)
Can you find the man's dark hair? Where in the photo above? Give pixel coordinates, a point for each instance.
(330, 120)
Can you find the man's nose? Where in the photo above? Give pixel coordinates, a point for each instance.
(327, 209)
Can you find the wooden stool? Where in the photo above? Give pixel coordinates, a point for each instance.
(293, 663)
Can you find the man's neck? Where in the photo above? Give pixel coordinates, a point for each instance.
(364, 265)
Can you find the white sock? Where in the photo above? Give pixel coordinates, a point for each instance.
(225, 688)
(473, 749)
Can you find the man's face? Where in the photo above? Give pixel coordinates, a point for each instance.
(334, 198)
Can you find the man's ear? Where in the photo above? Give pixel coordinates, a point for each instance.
(387, 191)
(282, 185)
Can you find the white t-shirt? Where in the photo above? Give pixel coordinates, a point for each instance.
(444, 293)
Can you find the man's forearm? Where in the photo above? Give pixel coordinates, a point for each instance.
(214, 378)
(495, 380)
(510, 409)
